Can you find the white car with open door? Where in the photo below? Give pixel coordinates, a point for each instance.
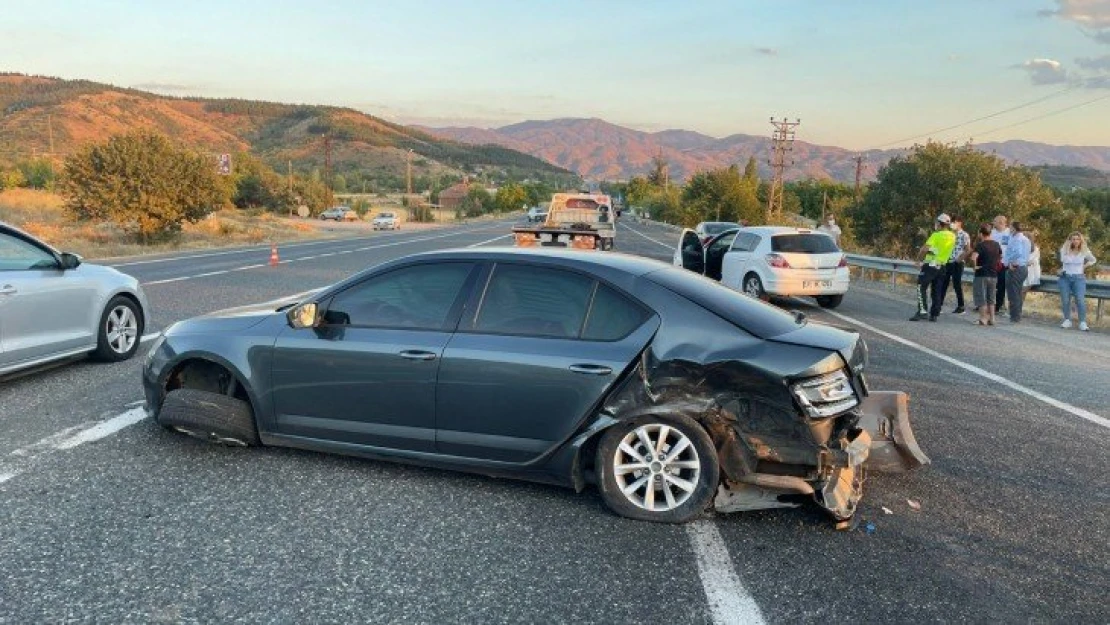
(770, 260)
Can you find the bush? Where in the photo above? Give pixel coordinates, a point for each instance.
(143, 183)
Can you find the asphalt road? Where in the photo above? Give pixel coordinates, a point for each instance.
(142, 525)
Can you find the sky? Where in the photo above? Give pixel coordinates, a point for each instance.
(859, 74)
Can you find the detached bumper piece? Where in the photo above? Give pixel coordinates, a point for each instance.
(883, 441)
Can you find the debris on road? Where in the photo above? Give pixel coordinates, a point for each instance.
(887, 510)
(914, 505)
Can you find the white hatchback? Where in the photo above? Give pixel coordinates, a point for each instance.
(770, 260)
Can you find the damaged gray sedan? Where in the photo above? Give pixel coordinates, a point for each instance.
(666, 390)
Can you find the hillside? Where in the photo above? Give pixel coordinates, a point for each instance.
(598, 149)
(42, 115)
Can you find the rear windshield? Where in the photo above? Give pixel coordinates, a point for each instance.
(754, 316)
(803, 244)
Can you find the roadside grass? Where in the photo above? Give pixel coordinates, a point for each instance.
(41, 213)
(1040, 306)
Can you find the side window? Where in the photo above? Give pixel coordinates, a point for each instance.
(19, 255)
(419, 298)
(721, 245)
(754, 242)
(534, 301)
(612, 316)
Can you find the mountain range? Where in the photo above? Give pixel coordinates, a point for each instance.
(49, 116)
(596, 149)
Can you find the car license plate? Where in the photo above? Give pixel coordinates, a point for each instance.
(817, 284)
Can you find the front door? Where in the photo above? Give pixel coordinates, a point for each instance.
(367, 374)
(690, 253)
(542, 350)
(43, 309)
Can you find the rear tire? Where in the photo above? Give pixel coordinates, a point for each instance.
(669, 479)
(209, 416)
(753, 287)
(120, 330)
(829, 301)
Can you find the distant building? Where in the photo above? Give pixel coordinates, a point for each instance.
(452, 197)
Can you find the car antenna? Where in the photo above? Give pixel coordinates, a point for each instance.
(799, 317)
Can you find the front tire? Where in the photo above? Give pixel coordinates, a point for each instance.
(209, 416)
(753, 286)
(829, 301)
(120, 329)
(661, 469)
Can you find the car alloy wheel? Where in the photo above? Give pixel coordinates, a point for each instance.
(753, 286)
(656, 467)
(121, 329)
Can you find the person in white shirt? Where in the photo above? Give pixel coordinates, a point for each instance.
(1034, 277)
(1075, 257)
(1001, 234)
(830, 228)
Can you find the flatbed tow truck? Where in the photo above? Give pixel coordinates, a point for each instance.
(581, 221)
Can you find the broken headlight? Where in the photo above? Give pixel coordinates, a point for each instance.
(826, 395)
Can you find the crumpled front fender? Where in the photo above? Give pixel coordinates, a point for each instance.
(885, 416)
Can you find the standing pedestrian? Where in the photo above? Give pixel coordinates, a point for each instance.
(1016, 260)
(1001, 235)
(830, 228)
(954, 270)
(1034, 277)
(986, 258)
(1075, 257)
(934, 254)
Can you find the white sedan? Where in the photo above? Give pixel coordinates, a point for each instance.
(770, 260)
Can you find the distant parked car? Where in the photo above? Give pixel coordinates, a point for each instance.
(339, 213)
(769, 260)
(708, 229)
(537, 214)
(53, 306)
(387, 221)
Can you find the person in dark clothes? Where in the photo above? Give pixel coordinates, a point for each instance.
(986, 258)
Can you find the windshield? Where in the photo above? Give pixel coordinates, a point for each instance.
(803, 244)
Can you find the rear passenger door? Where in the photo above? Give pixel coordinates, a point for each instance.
(738, 259)
(539, 351)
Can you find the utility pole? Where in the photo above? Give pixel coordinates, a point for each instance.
(327, 168)
(859, 171)
(290, 163)
(50, 132)
(408, 174)
(782, 143)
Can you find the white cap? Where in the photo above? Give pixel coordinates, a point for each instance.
(944, 218)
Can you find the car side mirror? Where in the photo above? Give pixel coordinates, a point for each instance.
(303, 316)
(70, 261)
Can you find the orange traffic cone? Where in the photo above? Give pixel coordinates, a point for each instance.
(273, 255)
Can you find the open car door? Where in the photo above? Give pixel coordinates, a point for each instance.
(690, 253)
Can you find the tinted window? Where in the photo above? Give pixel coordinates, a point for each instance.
(803, 244)
(717, 227)
(418, 297)
(612, 316)
(19, 255)
(755, 316)
(535, 301)
(721, 245)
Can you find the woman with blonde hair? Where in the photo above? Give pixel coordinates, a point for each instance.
(1075, 257)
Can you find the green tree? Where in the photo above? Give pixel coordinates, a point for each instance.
(898, 211)
(659, 175)
(256, 185)
(510, 197)
(38, 173)
(477, 201)
(638, 191)
(143, 183)
(720, 195)
(339, 183)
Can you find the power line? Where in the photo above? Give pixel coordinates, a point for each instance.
(979, 119)
(1048, 114)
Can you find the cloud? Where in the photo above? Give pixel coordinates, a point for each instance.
(1097, 82)
(162, 86)
(1101, 63)
(1088, 13)
(767, 51)
(1045, 71)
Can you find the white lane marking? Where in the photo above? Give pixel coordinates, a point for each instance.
(655, 241)
(994, 377)
(504, 236)
(294, 260)
(101, 430)
(4, 477)
(729, 601)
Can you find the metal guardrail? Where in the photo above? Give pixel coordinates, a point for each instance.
(1096, 289)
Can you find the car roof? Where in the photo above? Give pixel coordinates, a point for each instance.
(585, 260)
(773, 230)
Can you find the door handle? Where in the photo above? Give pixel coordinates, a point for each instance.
(417, 354)
(7, 289)
(591, 369)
